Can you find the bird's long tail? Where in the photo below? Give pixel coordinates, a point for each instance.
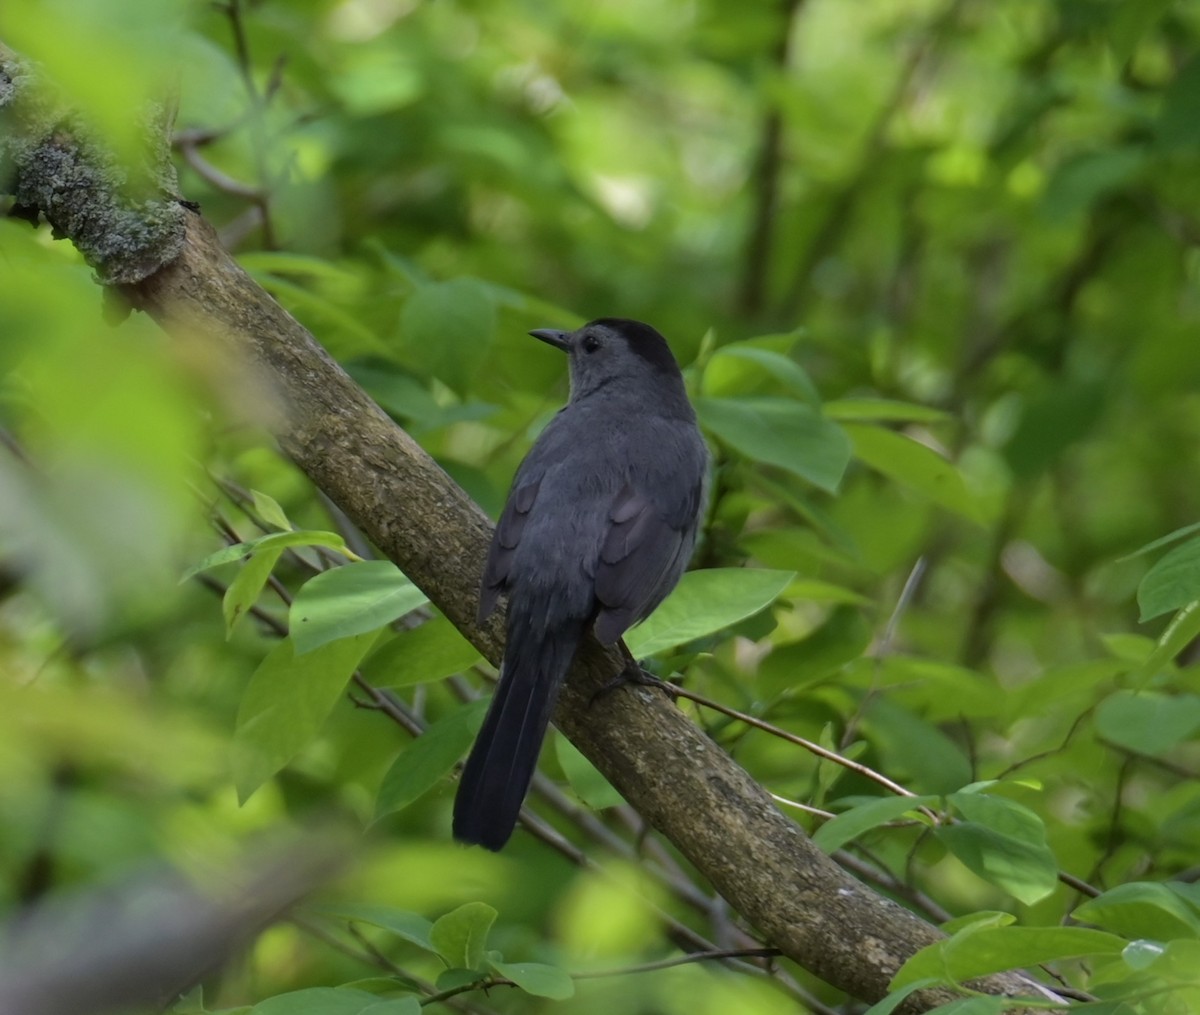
(501, 764)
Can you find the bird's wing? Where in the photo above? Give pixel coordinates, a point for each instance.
(640, 552)
(504, 543)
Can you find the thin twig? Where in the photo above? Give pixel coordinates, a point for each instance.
(911, 584)
(811, 746)
(217, 179)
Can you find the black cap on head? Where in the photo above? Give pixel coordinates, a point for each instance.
(642, 339)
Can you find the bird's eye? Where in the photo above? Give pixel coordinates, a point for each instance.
(590, 343)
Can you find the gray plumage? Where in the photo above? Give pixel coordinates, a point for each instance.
(599, 525)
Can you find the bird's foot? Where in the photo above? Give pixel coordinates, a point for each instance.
(633, 672)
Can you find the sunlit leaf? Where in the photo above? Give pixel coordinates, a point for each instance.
(1003, 843)
(732, 367)
(395, 1006)
(269, 510)
(411, 927)
(431, 651)
(861, 818)
(705, 602)
(429, 758)
(271, 541)
(1158, 544)
(537, 979)
(843, 637)
(461, 936)
(352, 599)
(915, 466)
(286, 702)
(978, 951)
(244, 590)
(317, 1001)
(782, 432)
(1142, 909)
(1148, 722)
(916, 752)
(1172, 583)
(1183, 629)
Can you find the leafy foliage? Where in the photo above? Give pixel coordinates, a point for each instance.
(931, 271)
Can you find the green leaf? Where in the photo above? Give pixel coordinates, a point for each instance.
(972, 1006)
(843, 637)
(704, 602)
(916, 752)
(1142, 909)
(429, 652)
(297, 537)
(883, 410)
(897, 997)
(978, 951)
(1172, 583)
(412, 927)
(1179, 960)
(461, 936)
(1147, 722)
(915, 466)
(396, 1006)
(782, 432)
(424, 762)
(317, 1001)
(1003, 843)
(850, 824)
(247, 585)
(352, 599)
(1180, 633)
(537, 979)
(456, 978)
(286, 702)
(732, 366)
(586, 780)
(225, 555)
(1162, 541)
(816, 591)
(1142, 954)
(447, 328)
(269, 510)
(978, 920)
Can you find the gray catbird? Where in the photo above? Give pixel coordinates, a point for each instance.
(599, 525)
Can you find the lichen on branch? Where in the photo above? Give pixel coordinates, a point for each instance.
(125, 219)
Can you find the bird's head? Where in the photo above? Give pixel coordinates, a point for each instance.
(615, 352)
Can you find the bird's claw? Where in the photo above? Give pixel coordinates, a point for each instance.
(633, 672)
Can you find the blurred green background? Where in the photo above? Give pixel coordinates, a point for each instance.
(971, 227)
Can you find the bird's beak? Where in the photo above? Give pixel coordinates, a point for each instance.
(558, 339)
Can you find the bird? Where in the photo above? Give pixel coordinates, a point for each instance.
(598, 528)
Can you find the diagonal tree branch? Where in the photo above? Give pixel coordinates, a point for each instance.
(709, 807)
